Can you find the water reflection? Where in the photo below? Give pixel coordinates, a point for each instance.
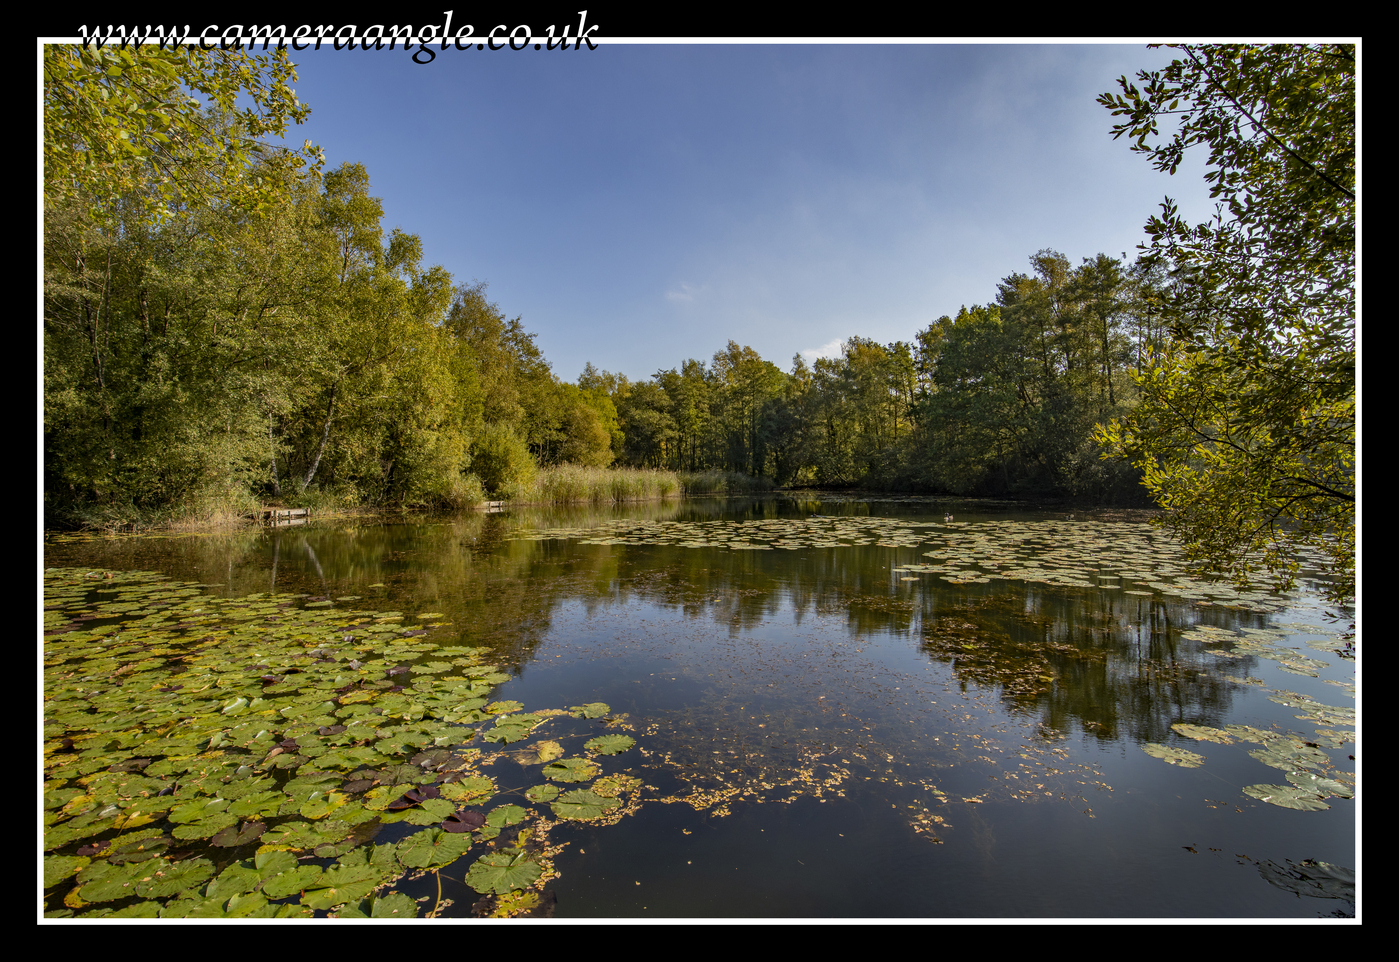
(777, 667)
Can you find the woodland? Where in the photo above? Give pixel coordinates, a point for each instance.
(228, 323)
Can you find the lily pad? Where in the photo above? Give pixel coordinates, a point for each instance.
(467, 789)
(610, 744)
(613, 785)
(1173, 756)
(59, 867)
(235, 835)
(502, 872)
(1287, 796)
(542, 793)
(1319, 786)
(546, 752)
(1202, 733)
(582, 805)
(433, 848)
(463, 820)
(591, 710)
(503, 815)
(571, 770)
(1291, 755)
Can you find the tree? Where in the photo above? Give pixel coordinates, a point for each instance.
(1246, 424)
(121, 127)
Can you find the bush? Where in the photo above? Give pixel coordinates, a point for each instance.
(501, 460)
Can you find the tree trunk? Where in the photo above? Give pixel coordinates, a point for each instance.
(320, 448)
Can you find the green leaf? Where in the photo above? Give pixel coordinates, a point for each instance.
(581, 805)
(502, 872)
(610, 744)
(571, 770)
(433, 848)
(59, 867)
(1173, 756)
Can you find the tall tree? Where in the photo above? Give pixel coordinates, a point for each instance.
(1246, 425)
(121, 128)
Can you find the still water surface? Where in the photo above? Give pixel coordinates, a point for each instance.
(860, 709)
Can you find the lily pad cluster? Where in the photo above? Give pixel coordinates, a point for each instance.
(1308, 767)
(246, 757)
(1260, 643)
(1117, 556)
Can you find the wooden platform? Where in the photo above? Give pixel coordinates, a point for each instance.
(278, 517)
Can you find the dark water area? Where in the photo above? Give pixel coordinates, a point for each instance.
(861, 709)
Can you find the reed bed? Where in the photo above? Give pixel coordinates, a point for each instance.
(574, 484)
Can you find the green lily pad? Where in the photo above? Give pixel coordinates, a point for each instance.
(542, 793)
(395, 905)
(546, 752)
(1202, 733)
(472, 788)
(233, 836)
(1287, 796)
(571, 770)
(1290, 756)
(512, 728)
(503, 815)
(59, 867)
(595, 709)
(581, 805)
(1319, 786)
(502, 872)
(290, 880)
(1173, 756)
(610, 744)
(433, 848)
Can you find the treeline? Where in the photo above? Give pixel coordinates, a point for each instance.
(1000, 400)
(302, 353)
(222, 356)
(223, 327)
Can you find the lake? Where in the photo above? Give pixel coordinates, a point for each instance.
(833, 707)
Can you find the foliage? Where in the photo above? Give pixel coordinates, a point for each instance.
(222, 354)
(501, 459)
(1246, 424)
(121, 128)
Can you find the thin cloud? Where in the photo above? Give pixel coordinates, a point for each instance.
(831, 349)
(686, 293)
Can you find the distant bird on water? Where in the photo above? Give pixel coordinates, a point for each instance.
(947, 517)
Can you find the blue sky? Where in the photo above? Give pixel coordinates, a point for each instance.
(637, 205)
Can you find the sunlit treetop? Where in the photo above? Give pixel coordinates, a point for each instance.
(166, 128)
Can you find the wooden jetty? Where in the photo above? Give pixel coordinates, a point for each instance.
(278, 517)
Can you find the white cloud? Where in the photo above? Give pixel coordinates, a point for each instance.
(831, 349)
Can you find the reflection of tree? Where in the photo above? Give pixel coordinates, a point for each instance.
(1111, 662)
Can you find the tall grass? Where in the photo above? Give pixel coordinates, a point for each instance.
(571, 483)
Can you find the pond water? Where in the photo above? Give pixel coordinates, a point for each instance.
(835, 708)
